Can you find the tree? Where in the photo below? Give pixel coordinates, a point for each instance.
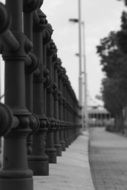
(125, 1)
(122, 34)
(113, 60)
(112, 51)
(112, 96)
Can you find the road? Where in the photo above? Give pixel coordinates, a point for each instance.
(108, 159)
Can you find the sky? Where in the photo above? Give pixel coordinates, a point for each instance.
(100, 17)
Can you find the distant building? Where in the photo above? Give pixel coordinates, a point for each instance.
(98, 116)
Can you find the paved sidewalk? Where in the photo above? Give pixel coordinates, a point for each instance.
(108, 158)
(72, 171)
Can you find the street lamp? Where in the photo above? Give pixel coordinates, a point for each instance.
(80, 53)
(80, 23)
(84, 108)
(85, 76)
(74, 20)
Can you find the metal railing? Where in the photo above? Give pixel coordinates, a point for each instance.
(40, 117)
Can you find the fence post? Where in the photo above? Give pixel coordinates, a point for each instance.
(50, 146)
(15, 173)
(38, 160)
(56, 110)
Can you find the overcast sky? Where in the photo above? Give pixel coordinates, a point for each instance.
(100, 17)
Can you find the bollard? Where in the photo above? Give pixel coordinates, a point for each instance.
(38, 160)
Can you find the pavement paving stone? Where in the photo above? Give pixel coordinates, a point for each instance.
(72, 171)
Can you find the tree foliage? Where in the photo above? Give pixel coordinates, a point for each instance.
(125, 1)
(113, 53)
(113, 60)
(113, 95)
(122, 34)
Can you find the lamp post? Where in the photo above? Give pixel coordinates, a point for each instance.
(74, 20)
(82, 39)
(85, 76)
(82, 43)
(80, 53)
(80, 49)
(80, 59)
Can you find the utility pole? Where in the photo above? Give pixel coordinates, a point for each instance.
(80, 53)
(80, 57)
(85, 111)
